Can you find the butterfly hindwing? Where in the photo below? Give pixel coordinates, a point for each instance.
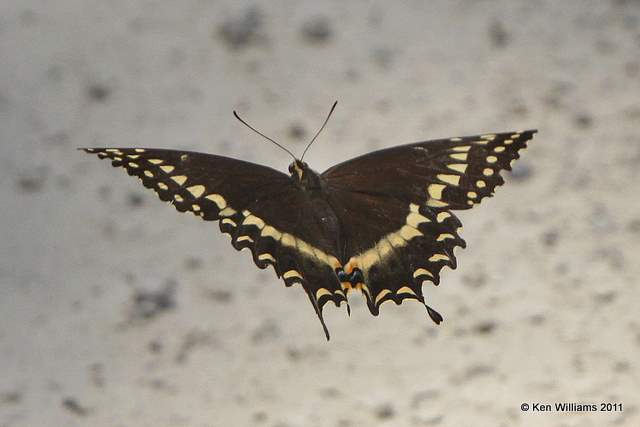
(257, 206)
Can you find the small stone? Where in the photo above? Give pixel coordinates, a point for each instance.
(484, 328)
(72, 405)
(135, 199)
(98, 92)
(583, 120)
(317, 30)
(297, 131)
(498, 35)
(385, 411)
(243, 31)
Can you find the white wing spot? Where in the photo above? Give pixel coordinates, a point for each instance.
(162, 186)
(458, 167)
(492, 159)
(196, 190)
(438, 257)
(178, 198)
(442, 216)
(450, 179)
(487, 172)
(156, 161)
(462, 149)
(179, 179)
(459, 156)
(167, 169)
(218, 200)
(480, 183)
(435, 191)
(291, 273)
(499, 149)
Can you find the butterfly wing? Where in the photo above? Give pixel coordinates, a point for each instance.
(394, 206)
(259, 207)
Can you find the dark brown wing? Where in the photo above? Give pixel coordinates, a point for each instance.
(394, 207)
(257, 206)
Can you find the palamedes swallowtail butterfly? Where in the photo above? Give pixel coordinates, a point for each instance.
(381, 223)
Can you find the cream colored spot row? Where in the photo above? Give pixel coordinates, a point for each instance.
(148, 174)
(179, 179)
(117, 158)
(422, 272)
(291, 273)
(178, 198)
(450, 179)
(435, 191)
(499, 149)
(492, 159)
(487, 172)
(442, 216)
(459, 156)
(134, 165)
(139, 150)
(156, 161)
(322, 292)
(218, 200)
(462, 148)
(472, 194)
(167, 168)
(383, 293)
(267, 257)
(445, 236)
(113, 150)
(227, 212)
(254, 220)
(196, 190)
(480, 183)
(455, 139)
(458, 167)
(196, 208)
(438, 257)
(384, 247)
(229, 221)
(162, 186)
(415, 219)
(244, 239)
(508, 141)
(436, 203)
(406, 290)
(133, 156)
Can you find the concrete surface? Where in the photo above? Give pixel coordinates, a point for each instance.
(115, 310)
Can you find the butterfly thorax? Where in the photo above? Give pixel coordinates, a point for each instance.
(305, 177)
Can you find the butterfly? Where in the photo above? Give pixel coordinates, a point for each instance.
(381, 223)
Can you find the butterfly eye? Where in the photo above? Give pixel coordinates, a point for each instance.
(291, 168)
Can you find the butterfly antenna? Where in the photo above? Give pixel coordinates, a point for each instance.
(261, 134)
(318, 133)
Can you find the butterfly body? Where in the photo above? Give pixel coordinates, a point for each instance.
(381, 223)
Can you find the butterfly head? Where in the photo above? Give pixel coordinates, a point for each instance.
(304, 176)
(297, 169)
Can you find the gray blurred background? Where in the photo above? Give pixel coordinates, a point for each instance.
(115, 310)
